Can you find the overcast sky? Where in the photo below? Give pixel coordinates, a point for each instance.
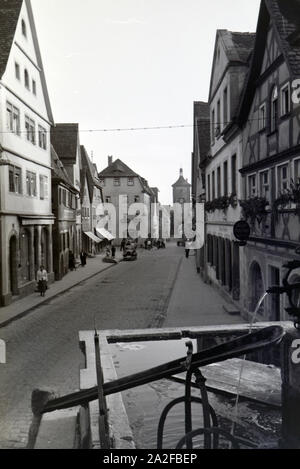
(134, 63)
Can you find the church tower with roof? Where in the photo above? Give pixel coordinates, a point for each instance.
(181, 190)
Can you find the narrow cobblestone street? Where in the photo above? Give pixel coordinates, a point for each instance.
(43, 350)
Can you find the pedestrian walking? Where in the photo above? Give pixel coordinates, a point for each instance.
(187, 248)
(113, 251)
(83, 256)
(123, 244)
(42, 279)
(72, 263)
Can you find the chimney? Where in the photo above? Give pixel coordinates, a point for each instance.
(110, 160)
(181, 172)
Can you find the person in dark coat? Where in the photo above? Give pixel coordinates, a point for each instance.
(123, 244)
(113, 251)
(83, 256)
(72, 264)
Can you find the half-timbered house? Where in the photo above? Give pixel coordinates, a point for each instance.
(270, 118)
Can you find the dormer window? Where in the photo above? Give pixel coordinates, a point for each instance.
(26, 79)
(24, 29)
(274, 110)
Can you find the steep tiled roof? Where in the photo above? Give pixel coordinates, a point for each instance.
(9, 16)
(89, 168)
(145, 186)
(238, 46)
(202, 126)
(64, 138)
(181, 182)
(117, 169)
(58, 170)
(287, 23)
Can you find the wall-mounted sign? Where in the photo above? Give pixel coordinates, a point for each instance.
(241, 230)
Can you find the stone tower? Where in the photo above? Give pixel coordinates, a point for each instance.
(181, 190)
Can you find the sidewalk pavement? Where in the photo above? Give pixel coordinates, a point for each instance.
(20, 308)
(194, 303)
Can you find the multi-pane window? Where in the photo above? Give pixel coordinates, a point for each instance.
(274, 110)
(15, 179)
(225, 107)
(130, 182)
(218, 123)
(252, 188)
(264, 184)
(43, 187)
(107, 200)
(13, 118)
(213, 185)
(225, 177)
(262, 117)
(31, 183)
(34, 87)
(233, 174)
(282, 178)
(17, 71)
(213, 127)
(42, 137)
(208, 188)
(117, 182)
(30, 129)
(219, 182)
(285, 100)
(297, 171)
(26, 79)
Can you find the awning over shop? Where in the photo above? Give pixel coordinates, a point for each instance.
(92, 237)
(104, 234)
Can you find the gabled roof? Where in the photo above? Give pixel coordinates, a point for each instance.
(286, 24)
(58, 171)
(117, 169)
(237, 46)
(145, 186)
(9, 17)
(89, 169)
(64, 138)
(202, 127)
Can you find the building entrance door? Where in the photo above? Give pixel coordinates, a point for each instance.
(13, 271)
